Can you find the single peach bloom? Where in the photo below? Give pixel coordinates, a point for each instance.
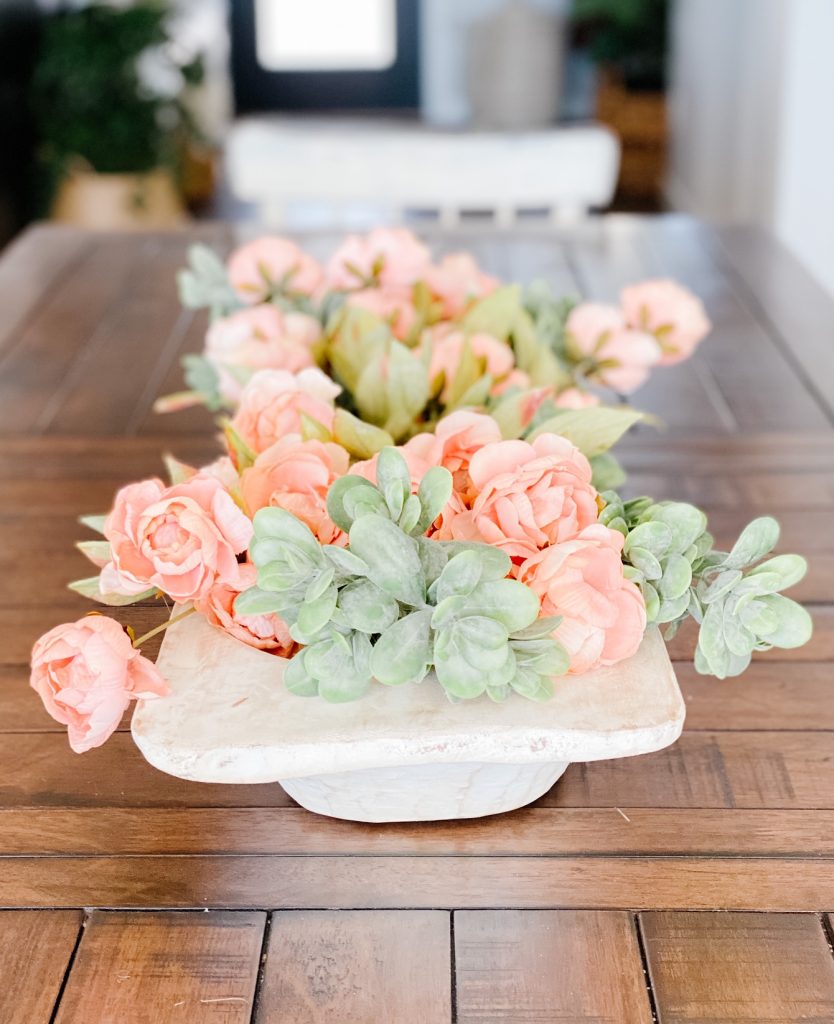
(258, 269)
(456, 281)
(393, 305)
(529, 495)
(446, 346)
(391, 257)
(603, 614)
(624, 355)
(295, 475)
(671, 313)
(273, 401)
(574, 398)
(86, 673)
(266, 632)
(180, 539)
(260, 338)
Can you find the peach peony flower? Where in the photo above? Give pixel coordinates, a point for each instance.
(455, 440)
(260, 267)
(295, 475)
(261, 338)
(456, 281)
(181, 539)
(86, 673)
(266, 632)
(624, 355)
(528, 495)
(603, 613)
(574, 398)
(272, 403)
(394, 257)
(391, 304)
(671, 313)
(446, 345)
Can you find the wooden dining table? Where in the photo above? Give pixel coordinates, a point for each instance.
(690, 885)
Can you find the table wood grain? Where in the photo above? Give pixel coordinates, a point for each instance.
(690, 885)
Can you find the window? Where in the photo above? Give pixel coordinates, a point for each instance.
(326, 35)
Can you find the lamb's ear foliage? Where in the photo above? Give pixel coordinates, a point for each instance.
(393, 605)
(669, 554)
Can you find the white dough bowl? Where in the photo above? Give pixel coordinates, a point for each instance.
(401, 753)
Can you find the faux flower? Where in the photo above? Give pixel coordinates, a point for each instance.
(447, 345)
(295, 475)
(457, 437)
(86, 673)
(603, 613)
(392, 257)
(261, 338)
(266, 632)
(391, 304)
(624, 355)
(574, 398)
(259, 268)
(181, 539)
(272, 402)
(456, 281)
(671, 313)
(529, 495)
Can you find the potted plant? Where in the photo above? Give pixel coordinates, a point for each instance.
(628, 40)
(111, 118)
(405, 591)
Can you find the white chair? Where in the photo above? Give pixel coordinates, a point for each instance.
(327, 172)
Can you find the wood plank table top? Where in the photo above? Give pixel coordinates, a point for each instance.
(132, 897)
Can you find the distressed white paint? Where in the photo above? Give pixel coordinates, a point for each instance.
(401, 753)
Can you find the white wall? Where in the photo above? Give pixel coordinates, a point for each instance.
(752, 119)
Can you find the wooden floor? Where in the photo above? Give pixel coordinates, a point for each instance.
(596, 904)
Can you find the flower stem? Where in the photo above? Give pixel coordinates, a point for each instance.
(158, 629)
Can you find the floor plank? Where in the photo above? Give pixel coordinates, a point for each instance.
(356, 967)
(563, 966)
(529, 832)
(724, 968)
(159, 968)
(335, 882)
(35, 950)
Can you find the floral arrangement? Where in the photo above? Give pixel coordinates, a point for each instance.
(416, 484)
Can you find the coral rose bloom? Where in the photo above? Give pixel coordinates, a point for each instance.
(389, 304)
(528, 495)
(447, 347)
(394, 257)
(671, 313)
(574, 398)
(603, 613)
(181, 539)
(86, 673)
(259, 268)
(456, 281)
(295, 475)
(455, 440)
(625, 355)
(262, 338)
(266, 632)
(272, 403)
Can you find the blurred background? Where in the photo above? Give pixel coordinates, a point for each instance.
(345, 113)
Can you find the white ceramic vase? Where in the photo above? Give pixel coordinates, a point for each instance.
(401, 753)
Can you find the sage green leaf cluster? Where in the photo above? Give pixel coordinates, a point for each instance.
(734, 596)
(204, 284)
(394, 605)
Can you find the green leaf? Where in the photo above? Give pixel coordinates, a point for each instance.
(794, 624)
(403, 652)
(350, 494)
(607, 472)
(496, 314)
(509, 602)
(244, 454)
(312, 430)
(362, 440)
(98, 552)
(393, 479)
(757, 539)
(686, 522)
(723, 583)
(434, 492)
(90, 588)
(391, 556)
(676, 578)
(461, 575)
(345, 561)
(255, 601)
(366, 608)
(593, 430)
(654, 537)
(407, 389)
(646, 562)
(297, 679)
(95, 523)
(283, 525)
(787, 569)
(314, 615)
